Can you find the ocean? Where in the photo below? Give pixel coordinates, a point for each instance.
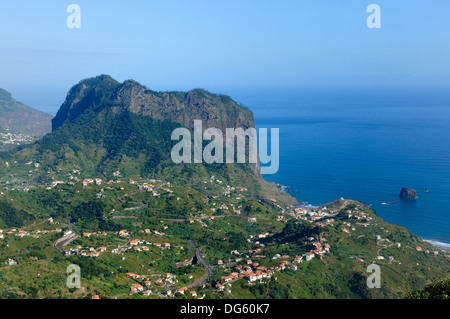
(365, 146)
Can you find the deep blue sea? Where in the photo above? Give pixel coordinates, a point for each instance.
(365, 146)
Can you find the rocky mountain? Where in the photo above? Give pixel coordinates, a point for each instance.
(104, 126)
(22, 119)
(103, 92)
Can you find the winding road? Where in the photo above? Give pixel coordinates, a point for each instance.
(209, 269)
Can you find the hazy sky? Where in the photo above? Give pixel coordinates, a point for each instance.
(223, 46)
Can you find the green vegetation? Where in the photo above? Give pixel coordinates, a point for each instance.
(438, 290)
(12, 217)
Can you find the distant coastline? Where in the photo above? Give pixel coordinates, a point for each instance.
(438, 244)
(435, 243)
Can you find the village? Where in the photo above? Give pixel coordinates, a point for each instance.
(250, 266)
(9, 138)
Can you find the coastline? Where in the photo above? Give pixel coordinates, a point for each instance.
(435, 243)
(438, 244)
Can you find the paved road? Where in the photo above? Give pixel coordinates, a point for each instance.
(209, 269)
(65, 240)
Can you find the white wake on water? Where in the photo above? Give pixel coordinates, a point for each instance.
(438, 244)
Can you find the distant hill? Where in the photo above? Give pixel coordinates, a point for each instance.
(19, 118)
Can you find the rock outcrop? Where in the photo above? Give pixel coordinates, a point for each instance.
(408, 193)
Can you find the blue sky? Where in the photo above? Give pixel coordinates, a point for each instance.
(223, 46)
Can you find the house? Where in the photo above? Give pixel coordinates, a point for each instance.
(220, 287)
(147, 293)
(123, 233)
(182, 290)
(170, 276)
(193, 293)
(309, 256)
(95, 297)
(11, 262)
(251, 277)
(132, 275)
(87, 181)
(136, 288)
(298, 259)
(55, 183)
(226, 278)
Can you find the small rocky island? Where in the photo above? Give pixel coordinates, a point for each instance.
(408, 193)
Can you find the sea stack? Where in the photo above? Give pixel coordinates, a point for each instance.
(408, 193)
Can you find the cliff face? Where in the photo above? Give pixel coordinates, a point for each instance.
(181, 107)
(408, 193)
(103, 93)
(20, 118)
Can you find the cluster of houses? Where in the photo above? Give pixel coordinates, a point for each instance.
(98, 181)
(136, 245)
(426, 251)
(88, 181)
(142, 283)
(253, 271)
(14, 138)
(22, 233)
(229, 189)
(139, 287)
(307, 213)
(85, 251)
